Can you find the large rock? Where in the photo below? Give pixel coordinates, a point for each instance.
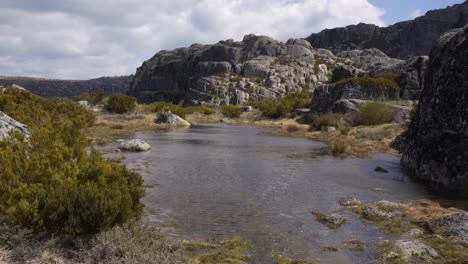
(401, 40)
(134, 145)
(332, 97)
(435, 146)
(227, 72)
(8, 124)
(412, 77)
(414, 251)
(455, 225)
(172, 119)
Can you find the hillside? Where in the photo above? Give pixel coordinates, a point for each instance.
(401, 40)
(68, 88)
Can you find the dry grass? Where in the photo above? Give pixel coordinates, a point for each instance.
(3, 256)
(115, 125)
(426, 210)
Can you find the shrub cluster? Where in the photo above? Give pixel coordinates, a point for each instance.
(231, 111)
(281, 106)
(51, 182)
(121, 103)
(367, 82)
(374, 113)
(135, 243)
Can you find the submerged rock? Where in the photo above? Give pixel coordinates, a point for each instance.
(8, 124)
(380, 169)
(349, 201)
(172, 119)
(455, 225)
(372, 213)
(135, 145)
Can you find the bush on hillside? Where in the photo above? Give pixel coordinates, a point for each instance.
(281, 106)
(121, 103)
(230, 111)
(376, 83)
(374, 113)
(50, 182)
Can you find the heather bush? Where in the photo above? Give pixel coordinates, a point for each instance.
(373, 83)
(135, 243)
(121, 103)
(374, 113)
(50, 181)
(231, 111)
(281, 106)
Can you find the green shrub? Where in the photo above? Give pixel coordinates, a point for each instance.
(344, 130)
(121, 103)
(375, 83)
(281, 106)
(135, 243)
(231, 111)
(322, 121)
(50, 182)
(159, 107)
(292, 128)
(374, 113)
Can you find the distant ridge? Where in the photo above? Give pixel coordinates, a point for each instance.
(401, 40)
(69, 88)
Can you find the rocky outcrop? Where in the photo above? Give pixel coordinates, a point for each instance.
(347, 96)
(401, 40)
(8, 124)
(134, 145)
(435, 146)
(171, 119)
(69, 88)
(228, 72)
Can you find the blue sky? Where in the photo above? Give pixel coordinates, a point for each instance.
(401, 10)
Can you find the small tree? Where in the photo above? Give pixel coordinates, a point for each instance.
(120, 103)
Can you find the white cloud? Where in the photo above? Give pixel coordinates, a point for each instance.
(88, 38)
(416, 13)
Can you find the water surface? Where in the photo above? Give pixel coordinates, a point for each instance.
(218, 181)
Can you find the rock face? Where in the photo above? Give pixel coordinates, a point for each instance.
(435, 146)
(8, 124)
(455, 225)
(229, 72)
(415, 251)
(134, 145)
(69, 88)
(172, 119)
(347, 97)
(401, 40)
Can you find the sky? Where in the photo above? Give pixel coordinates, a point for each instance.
(83, 39)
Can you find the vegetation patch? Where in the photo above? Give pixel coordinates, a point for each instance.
(371, 83)
(386, 253)
(231, 111)
(121, 103)
(283, 105)
(280, 259)
(374, 113)
(233, 250)
(319, 122)
(355, 245)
